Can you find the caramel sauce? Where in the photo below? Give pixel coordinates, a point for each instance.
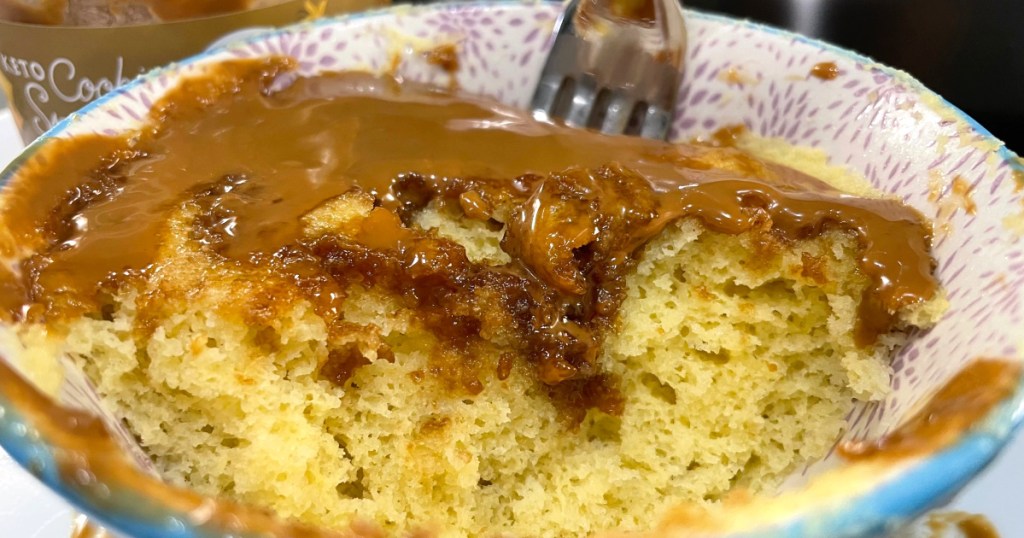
(968, 525)
(825, 70)
(444, 56)
(577, 208)
(958, 405)
(963, 193)
(724, 137)
(977, 526)
(642, 11)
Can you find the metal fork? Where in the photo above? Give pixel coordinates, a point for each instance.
(615, 66)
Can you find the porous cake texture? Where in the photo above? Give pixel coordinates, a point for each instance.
(734, 354)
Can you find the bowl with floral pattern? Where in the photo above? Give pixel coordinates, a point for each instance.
(878, 122)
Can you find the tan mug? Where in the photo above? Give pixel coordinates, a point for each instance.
(58, 55)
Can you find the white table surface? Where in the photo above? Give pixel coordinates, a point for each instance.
(29, 510)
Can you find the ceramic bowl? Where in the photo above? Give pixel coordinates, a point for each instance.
(877, 121)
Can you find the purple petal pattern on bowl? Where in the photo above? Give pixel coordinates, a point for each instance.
(878, 122)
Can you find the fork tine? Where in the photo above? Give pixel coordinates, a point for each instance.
(563, 55)
(617, 116)
(656, 123)
(614, 74)
(582, 102)
(544, 97)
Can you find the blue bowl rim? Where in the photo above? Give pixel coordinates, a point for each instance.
(933, 478)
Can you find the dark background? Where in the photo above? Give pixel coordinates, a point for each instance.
(971, 52)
